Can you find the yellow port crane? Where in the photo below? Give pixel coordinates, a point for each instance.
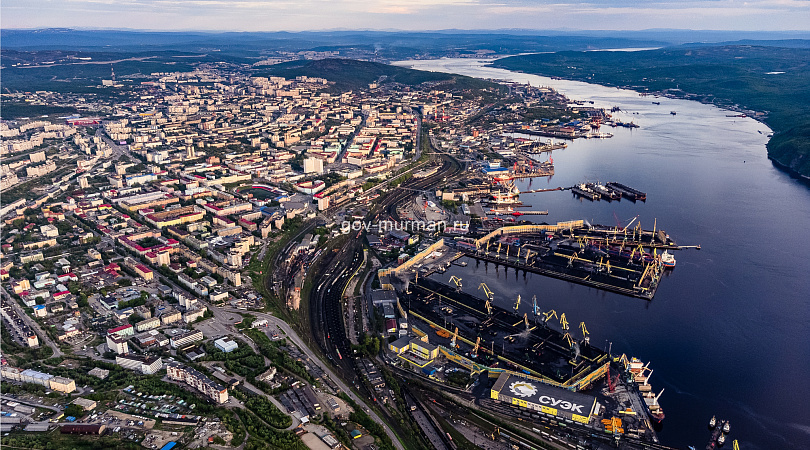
(457, 281)
(477, 345)
(548, 315)
(517, 304)
(585, 333)
(487, 291)
(568, 338)
(489, 307)
(736, 445)
(563, 322)
(524, 319)
(453, 340)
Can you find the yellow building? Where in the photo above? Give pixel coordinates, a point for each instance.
(424, 350)
(400, 346)
(62, 384)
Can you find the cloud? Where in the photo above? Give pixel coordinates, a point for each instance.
(274, 15)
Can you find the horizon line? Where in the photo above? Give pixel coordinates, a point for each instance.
(397, 30)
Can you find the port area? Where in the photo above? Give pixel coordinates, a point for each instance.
(617, 260)
(527, 367)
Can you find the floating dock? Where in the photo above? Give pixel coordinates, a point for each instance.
(627, 191)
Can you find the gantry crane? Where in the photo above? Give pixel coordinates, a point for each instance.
(517, 304)
(453, 340)
(548, 315)
(489, 307)
(457, 281)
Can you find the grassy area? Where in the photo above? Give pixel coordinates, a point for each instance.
(765, 79)
(53, 440)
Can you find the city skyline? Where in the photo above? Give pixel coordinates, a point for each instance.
(420, 15)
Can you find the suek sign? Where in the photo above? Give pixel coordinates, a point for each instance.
(562, 404)
(525, 389)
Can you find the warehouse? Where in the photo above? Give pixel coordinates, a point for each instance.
(82, 429)
(540, 397)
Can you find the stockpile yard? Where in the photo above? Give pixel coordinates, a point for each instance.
(493, 337)
(622, 260)
(535, 364)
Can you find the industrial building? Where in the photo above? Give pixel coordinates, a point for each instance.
(225, 344)
(83, 429)
(536, 396)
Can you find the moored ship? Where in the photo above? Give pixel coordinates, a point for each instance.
(637, 371)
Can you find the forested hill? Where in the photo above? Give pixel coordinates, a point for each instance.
(773, 80)
(348, 74)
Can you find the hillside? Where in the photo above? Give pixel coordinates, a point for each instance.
(772, 80)
(348, 74)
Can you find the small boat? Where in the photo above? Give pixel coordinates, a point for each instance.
(668, 260)
(726, 427)
(656, 103)
(673, 112)
(713, 422)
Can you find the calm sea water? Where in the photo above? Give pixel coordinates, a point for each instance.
(727, 332)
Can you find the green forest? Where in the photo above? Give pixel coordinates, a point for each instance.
(772, 80)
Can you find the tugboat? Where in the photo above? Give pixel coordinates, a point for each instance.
(668, 260)
(719, 433)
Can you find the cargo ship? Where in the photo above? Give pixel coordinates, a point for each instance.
(637, 371)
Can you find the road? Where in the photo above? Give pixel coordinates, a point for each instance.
(293, 336)
(25, 402)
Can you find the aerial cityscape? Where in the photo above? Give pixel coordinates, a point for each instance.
(223, 229)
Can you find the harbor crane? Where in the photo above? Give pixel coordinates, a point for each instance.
(548, 315)
(585, 333)
(487, 291)
(517, 304)
(568, 338)
(457, 281)
(563, 322)
(534, 304)
(474, 352)
(453, 340)
(489, 307)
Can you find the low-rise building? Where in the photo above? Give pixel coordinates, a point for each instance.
(147, 324)
(117, 344)
(225, 344)
(197, 380)
(146, 365)
(186, 339)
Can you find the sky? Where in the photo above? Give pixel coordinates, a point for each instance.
(300, 15)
